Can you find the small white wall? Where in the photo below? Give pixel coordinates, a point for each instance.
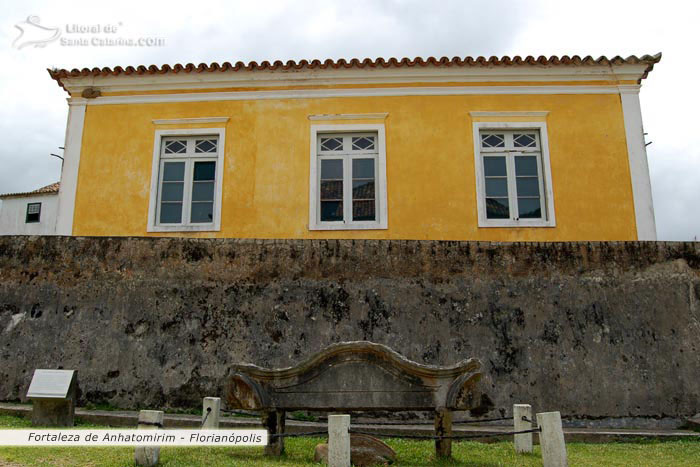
(13, 213)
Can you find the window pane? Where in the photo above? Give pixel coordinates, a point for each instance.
(528, 186)
(493, 141)
(205, 145)
(331, 144)
(331, 211)
(529, 208)
(363, 210)
(203, 191)
(363, 168)
(331, 169)
(170, 213)
(524, 140)
(174, 171)
(332, 190)
(202, 212)
(495, 166)
(172, 191)
(526, 165)
(204, 171)
(497, 208)
(363, 142)
(175, 147)
(496, 187)
(363, 189)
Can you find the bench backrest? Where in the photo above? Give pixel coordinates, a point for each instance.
(356, 376)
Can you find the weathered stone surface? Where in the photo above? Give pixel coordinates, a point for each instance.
(694, 422)
(339, 451)
(211, 410)
(364, 451)
(148, 455)
(590, 329)
(321, 453)
(53, 412)
(552, 440)
(357, 375)
(522, 419)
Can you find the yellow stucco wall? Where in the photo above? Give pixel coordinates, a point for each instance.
(429, 155)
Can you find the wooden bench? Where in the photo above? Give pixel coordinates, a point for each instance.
(356, 376)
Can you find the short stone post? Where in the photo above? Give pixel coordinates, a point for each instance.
(148, 455)
(273, 422)
(443, 427)
(523, 442)
(552, 440)
(211, 410)
(338, 441)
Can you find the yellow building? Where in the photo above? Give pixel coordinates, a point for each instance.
(500, 149)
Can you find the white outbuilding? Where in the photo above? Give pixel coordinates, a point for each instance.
(30, 213)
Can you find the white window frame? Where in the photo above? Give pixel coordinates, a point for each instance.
(215, 226)
(546, 173)
(26, 213)
(382, 221)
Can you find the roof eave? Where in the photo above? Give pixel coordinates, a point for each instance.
(62, 76)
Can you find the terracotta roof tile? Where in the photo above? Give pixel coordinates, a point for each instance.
(45, 190)
(649, 60)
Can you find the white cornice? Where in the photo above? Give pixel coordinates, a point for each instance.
(347, 92)
(372, 116)
(516, 113)
(266, 78)
(178, 121)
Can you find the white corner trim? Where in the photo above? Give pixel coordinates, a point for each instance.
(546, 173)
(178, 121)
(382, 222)
(538, 113)
(629, 88)
(639, 166)
(349, 92)
(370, 116)
(69, 171)
(151, 225)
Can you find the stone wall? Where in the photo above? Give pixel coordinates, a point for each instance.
(591, 329)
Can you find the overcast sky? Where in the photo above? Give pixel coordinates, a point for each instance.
(33, 110)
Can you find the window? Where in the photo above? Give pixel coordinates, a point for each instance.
(348, 185)
(514, 185)
(186, 195)
(33, 213)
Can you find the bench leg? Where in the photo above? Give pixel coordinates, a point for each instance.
(273, 422)
(443, 427)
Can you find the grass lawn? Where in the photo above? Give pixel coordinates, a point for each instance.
(300, 453)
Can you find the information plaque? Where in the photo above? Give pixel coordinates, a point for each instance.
(53, 394)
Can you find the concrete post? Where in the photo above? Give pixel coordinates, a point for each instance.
(211, 410)
(148, 455)
(443, 427)
(338, 441)
(552, 440)
(523, 442)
